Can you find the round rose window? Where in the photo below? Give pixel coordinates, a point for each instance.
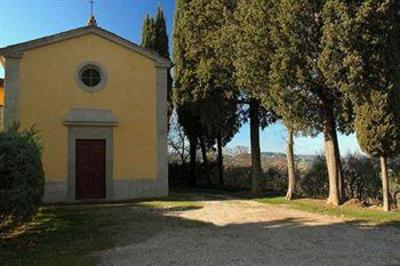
(90, 76)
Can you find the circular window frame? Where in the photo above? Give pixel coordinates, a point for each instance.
(98, 67)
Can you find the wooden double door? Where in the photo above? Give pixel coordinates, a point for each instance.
(90, 169)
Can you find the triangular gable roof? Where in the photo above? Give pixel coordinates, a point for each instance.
(17, 50)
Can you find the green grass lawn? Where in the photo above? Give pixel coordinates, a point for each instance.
(367, 215)
(67, 235)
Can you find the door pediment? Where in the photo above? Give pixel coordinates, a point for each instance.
(90, 117)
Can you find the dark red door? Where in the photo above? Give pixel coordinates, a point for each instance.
(90, 169)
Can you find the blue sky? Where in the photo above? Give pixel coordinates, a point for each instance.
(23, 20)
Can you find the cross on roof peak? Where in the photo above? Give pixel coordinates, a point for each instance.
(92, 19)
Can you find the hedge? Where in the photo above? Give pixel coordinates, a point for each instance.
(21, 175)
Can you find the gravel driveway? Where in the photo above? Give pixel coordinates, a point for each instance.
(242, 232)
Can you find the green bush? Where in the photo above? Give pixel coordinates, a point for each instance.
(179, 174)
(276, 178)
(313, 182)
(238, 177)
(21, 175)
(361, 178)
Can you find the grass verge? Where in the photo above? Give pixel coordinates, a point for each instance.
(367, 215)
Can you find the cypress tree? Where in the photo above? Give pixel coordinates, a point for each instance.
(214, 87)
(162, 48)
(186, 108)
(335, 17)
(221, 124)
(149, 33)
(373, 79)
(161, 37)
(251, 52)
(300, 91)
(292, 180)
(145, 30)
(155, 38)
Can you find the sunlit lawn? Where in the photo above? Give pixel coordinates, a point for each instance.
(68, 235)
(368, 215)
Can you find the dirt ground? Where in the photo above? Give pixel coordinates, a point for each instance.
(242, 232)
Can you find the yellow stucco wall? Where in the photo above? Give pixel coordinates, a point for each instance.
(49, 90)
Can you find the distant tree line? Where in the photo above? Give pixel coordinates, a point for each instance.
(318, 66)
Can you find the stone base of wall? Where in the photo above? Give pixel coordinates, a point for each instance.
(132, 189)
(57, 192)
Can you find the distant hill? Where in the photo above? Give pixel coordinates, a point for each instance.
(244, 158)
(280, 155)
(273, 155)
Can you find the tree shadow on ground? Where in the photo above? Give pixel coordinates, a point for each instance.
(289, 241)
(73, 232)
(131, 234)
(313, 205)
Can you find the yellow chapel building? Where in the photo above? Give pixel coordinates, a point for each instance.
(99, 103)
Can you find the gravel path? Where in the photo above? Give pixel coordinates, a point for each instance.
(241, 232)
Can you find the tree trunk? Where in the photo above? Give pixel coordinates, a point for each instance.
(395, 196)
(203, 150)
(256, 169)
(341, 188)
(351, 187)
(170, 105)
(220, 163)
(332, 160)
(205, 161)
(291, 193)
(193, 152)
(385, 184)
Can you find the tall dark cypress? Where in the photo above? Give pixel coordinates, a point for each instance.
(155, 38)
(161, 37)
(162, 48)
(186, 107)
(214, 88)
(373, 80)
(252, 62)
(149, 33)
(299, 83)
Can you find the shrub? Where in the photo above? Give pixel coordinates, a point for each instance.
(313, 181)
(361, 178)
(276, 179)
(179, 174)
(238, 177)
(21, 175)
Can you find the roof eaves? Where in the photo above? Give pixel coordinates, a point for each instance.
(18, 49)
